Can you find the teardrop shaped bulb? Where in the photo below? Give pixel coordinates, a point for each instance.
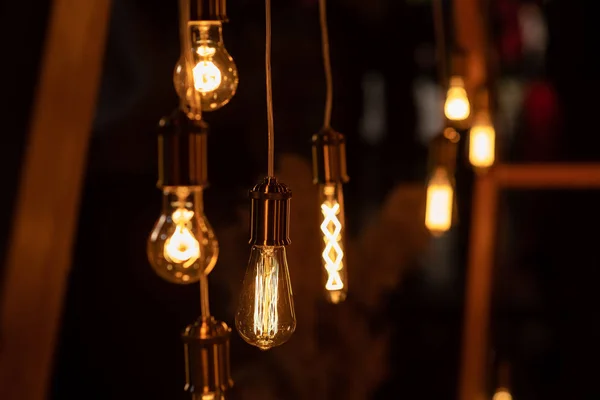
(265, 316)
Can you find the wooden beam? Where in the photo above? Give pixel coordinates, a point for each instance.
(548, 176)
(478, 292)
(46, 210)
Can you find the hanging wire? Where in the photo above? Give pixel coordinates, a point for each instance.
(440, 39)
(192, 105)
(271, 125)
(326, 62)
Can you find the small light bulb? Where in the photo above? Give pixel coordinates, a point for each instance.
(440, 198)
(332, 256)
(265, 317)
(482, 142)
(213, 69)
(457, 107)
(502, 394)
(182, 245)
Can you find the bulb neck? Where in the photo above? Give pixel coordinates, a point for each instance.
(207, 33)
(206, 350)
(329, 157)
(270, 213)
(208, 10)
(182, 152)
(187, 197)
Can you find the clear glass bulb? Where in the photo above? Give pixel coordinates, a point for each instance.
(502, 394)
(208, 396)
(214, 72)
(265, 316)
(440, 198)
(457, 106)
(482, 141)
(182, 245)
(332, 256)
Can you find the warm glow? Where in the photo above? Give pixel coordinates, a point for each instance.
(207, 77)
(182, 247)
(333, 254)
(457, 107)
(482, 143)
(266, 316)
(438, 213)
(502, 394)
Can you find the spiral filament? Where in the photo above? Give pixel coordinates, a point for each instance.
(207, 76)
(332, 254)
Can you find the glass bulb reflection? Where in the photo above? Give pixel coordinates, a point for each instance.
(332, 256)
(265, 317)
(482, 142)
(457, 106)
(213, 69)
(182, 244)
(440, 198)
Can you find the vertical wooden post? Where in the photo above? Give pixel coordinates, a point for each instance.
(478, 290)
(46, 210)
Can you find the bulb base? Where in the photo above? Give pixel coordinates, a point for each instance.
(270, 213)
(182, 151)
(208, 10)
(329, 157)
(206, 350)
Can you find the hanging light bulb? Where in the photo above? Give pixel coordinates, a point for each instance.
(457, 106)
(265, 316)
(205, 76)
(502, 394)
(440, 199)
(482, 141)
(182, 246)
(329, 171)
(214, 72)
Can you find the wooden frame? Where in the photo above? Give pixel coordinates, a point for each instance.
(46, 210)
(474, 371)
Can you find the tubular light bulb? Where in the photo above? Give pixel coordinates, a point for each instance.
(213, 70)
(182, 245)
(482, 142)
(265, 317)
(502, 394)
(440, 196)
(332, 256)
(457, 107)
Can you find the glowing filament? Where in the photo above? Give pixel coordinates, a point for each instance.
(502, 394)
(182, 247)
(266, 317)
(482, 145)
(438, 213)
(333, 253)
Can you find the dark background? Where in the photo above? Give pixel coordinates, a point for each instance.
(398, 335)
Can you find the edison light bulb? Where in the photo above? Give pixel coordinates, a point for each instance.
(502, 394)
(332, 229)
(482, 141)
(182, 245)
(265, 317)
(213, 70)
(457, 107)
(440, 196)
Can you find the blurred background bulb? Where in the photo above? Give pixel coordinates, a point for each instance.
(332, 255)
(502, 394)
(213, 70)
(182, 245)
(265, 317)
(457, 107)
(482, 141)
(440, 196)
